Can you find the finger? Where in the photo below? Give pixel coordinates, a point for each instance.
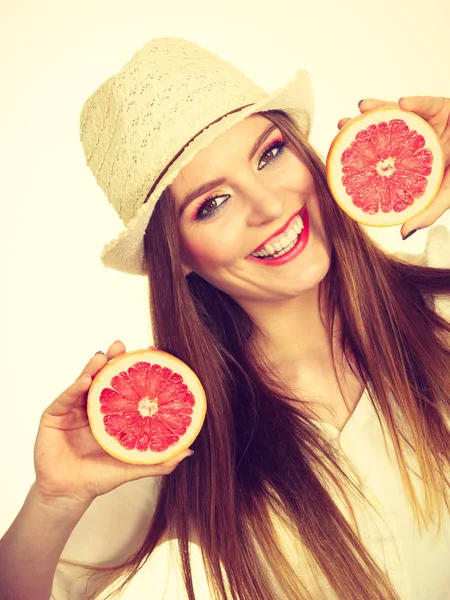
(431, 214)
(97, 361)
(115, 349)
(372, 103)
(425, 106)
(138, 471)
(169, 466)
(73, 395)
(364, 106)
(343, 122)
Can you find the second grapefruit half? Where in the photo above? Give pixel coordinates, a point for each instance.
(385, 166)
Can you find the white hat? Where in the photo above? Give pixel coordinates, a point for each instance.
(143, 125)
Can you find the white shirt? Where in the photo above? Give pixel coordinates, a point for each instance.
(418, 565)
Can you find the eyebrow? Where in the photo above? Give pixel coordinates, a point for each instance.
(206, 187)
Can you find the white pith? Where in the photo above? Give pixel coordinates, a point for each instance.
(384, 168)
(148, 407)
(282, 243)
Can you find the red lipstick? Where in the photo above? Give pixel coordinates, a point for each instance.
(278, 231)
(300, 244)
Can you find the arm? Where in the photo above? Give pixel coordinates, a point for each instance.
(72, 470)
(30, 549)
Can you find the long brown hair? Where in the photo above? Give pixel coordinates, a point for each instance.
(258, 459)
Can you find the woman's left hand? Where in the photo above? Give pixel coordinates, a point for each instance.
(436, 111)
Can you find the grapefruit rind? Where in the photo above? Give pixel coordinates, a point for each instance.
(103, 379)
(345, 138)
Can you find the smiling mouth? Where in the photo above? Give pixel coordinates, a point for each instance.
(282, 240)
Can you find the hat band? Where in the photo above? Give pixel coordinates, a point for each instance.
(167, 167)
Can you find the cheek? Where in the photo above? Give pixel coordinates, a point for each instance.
(209, 249)
(299, 179)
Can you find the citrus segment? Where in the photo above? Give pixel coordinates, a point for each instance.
(385, 166)
(146, 406)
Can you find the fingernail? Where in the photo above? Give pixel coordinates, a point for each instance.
(100, 352)
(192, 452)
(360, 102)
(410, 234)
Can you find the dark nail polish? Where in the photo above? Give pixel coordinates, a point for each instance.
(360, 102)
(100, 352)
(409, 234)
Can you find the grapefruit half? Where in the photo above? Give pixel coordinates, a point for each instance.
(145, 406)
(385, 166)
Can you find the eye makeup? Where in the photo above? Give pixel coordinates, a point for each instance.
(209, 207)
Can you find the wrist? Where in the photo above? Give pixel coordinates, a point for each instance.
(65, 505)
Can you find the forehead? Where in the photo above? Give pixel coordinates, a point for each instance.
(229, 146)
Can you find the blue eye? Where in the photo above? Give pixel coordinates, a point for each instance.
(210, 207)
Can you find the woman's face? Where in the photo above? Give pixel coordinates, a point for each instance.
(256, 195)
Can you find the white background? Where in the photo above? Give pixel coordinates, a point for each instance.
(59, 304)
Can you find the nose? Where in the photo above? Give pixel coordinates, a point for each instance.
(263, 204)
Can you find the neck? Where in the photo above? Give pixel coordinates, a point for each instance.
(294, 340)
(293, 335)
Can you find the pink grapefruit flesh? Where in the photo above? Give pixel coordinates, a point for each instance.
(385, 166)
(146, 406)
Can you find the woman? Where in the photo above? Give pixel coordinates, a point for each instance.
(322, 467)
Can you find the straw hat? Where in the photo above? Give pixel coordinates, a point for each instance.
(144, 124)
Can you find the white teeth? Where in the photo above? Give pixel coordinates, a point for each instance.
(264, 253)
(288, 248)
(281, 244)
(292, 235)
(284, 250)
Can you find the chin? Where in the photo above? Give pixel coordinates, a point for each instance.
(313, 275)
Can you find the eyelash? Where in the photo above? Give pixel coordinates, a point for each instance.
(278, 143)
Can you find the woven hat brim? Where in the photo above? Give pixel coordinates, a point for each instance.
(126, 252)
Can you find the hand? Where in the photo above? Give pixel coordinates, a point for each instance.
(69, 463)
(436, 111)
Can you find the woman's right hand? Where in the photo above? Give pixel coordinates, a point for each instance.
(69, 463)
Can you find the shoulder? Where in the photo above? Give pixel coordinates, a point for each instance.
(436, 252)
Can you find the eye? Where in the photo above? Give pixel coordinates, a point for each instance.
(277, 145)
(210, 207)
